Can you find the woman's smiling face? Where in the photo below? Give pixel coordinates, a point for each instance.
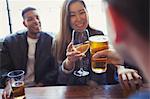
(78, 16)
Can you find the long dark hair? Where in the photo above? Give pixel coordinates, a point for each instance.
(64, 36)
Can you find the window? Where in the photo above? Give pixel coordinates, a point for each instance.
(49, 11)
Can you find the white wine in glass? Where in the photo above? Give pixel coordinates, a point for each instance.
(81, 43)
(83, 48)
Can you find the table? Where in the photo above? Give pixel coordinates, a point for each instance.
(78, 92)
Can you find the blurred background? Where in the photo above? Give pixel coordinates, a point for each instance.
(49, 11)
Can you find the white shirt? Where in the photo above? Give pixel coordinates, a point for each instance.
(30, 75)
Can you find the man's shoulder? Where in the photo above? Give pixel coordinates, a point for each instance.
(48, 34)
(15, 36)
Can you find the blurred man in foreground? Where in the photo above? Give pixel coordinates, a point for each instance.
(130, 30)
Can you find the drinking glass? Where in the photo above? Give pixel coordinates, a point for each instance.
(16, 79)
(98, 43)
(81, 43)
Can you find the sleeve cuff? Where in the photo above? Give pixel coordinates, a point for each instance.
(64, 70)
(120, 67)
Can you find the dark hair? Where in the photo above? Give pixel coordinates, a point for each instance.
(72, 1)
(26, 10)
(136, 12)
(69, 3)
(64, 36)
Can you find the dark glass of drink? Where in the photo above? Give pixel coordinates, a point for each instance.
(17, 83)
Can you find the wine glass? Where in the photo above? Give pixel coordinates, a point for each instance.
(81, 43)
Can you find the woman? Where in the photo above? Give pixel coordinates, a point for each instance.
(75, 16)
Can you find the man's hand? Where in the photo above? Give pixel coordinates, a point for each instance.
(7, 91)
(112, 57)
(129, 79)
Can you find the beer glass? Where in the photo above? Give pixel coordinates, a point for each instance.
(16, 79)
(81, 43)
(98, 43)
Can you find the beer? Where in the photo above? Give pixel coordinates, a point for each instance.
(98, 43)
(16, 78)
(18, 90)
(83, 48)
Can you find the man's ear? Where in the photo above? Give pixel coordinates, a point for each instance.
(118, 23)
(24, 24)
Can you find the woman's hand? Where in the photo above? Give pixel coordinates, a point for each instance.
(72, 56)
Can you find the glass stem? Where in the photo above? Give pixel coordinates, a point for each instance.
(81, 65)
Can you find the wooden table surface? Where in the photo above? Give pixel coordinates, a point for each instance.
(78, 92)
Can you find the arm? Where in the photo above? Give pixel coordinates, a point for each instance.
(68, 65)
(47, 65)
(65, 73)
(128, 78)
(5, 67)
(6, 63)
